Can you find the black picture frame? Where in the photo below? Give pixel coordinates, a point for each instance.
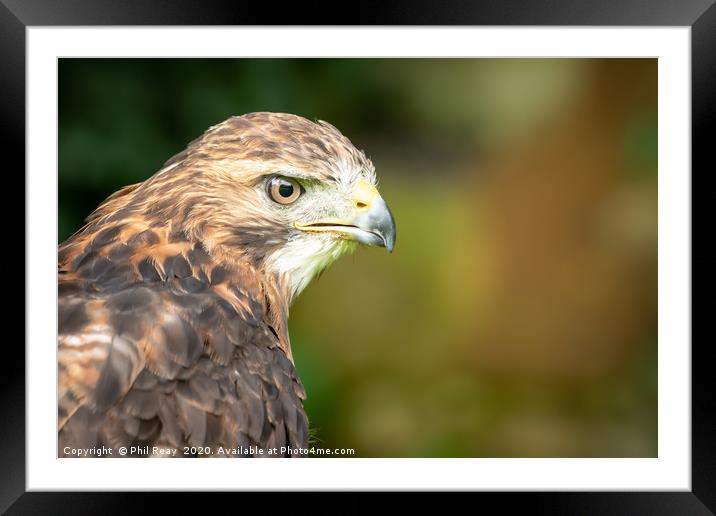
(700, 15)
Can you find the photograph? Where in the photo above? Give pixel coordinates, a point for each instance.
(431, 248)
(357, 257)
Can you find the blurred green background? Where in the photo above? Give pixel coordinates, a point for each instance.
(517, 316)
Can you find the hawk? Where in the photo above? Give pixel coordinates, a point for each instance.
(174, 297)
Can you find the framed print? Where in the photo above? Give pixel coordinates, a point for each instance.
(449, 251)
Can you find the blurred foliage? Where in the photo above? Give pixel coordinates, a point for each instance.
(518, 313)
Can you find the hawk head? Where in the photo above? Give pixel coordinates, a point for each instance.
(284, 193)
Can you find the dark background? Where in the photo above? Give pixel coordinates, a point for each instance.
(517, 315)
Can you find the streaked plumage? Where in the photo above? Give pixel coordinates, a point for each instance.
(174, 298)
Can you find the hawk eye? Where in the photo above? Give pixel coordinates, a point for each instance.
(284, 190)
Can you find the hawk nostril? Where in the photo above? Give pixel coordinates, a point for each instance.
(361, 204)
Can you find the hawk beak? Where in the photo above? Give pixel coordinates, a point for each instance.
(372, 224)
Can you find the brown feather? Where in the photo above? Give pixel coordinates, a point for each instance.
(171, 332)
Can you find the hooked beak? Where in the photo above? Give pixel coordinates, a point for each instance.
(372, 224)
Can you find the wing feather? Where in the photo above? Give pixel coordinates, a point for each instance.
(158, 344)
